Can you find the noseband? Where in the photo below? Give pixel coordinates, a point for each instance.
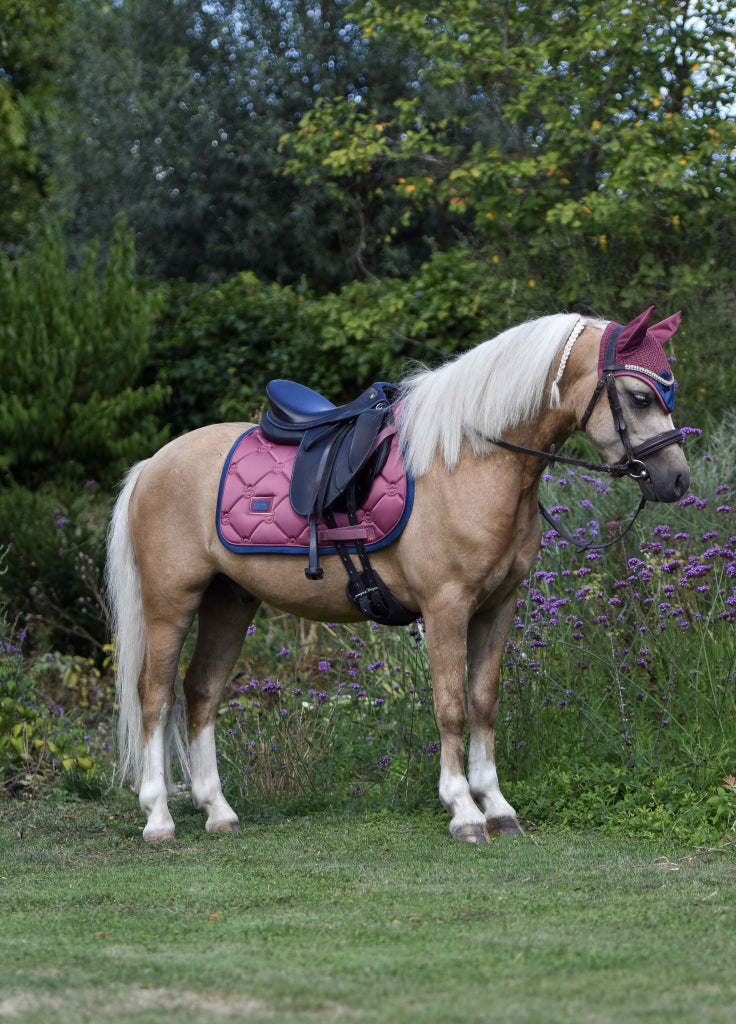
(630, 464)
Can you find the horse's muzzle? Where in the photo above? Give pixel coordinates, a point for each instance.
(667, 476)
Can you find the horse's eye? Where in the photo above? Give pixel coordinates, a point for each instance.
(640, 399)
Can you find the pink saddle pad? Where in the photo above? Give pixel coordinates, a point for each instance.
(254, 513)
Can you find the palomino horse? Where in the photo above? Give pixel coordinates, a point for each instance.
(476, 435)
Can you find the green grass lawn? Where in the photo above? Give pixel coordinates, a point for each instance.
(361, 918)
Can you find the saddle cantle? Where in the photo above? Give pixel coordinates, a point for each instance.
(342, 450)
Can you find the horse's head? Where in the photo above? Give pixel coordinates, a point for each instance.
(629, 406)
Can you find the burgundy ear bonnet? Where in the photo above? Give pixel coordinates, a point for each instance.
(637, 350)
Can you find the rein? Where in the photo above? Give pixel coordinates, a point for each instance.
(631, 464)
(618, 470)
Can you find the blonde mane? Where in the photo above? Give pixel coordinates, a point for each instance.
(484, 391)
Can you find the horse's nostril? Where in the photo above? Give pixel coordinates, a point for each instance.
(681, 484)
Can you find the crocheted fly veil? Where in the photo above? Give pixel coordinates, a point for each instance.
(637, 350)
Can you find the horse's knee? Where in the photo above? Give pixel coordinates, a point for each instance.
(451, 714)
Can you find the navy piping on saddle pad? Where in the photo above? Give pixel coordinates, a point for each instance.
(293, 549)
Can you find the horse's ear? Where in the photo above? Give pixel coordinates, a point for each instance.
(663, 331)
(634, 333)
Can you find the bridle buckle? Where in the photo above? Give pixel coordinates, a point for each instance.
(637, 470)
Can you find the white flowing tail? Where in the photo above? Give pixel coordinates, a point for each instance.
(123, 586)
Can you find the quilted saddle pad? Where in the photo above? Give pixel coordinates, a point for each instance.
(254, 513)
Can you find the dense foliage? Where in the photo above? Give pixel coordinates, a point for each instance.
(197, 197)
(601, 724)
(72, 418)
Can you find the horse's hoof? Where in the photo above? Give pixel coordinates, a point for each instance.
(224, 826)
(158, 835)
(504, 827)
(473, 833)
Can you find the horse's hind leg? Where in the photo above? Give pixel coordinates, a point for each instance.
(224, 615)
(164, 638)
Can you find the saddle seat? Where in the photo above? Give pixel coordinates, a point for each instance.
(294, 408)
(341, 448)
(295, 403)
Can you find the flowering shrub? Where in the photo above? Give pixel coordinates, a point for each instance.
(357, 724)
(626, 657)
(618, 680)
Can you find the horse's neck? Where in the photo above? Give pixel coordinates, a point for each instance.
(548, 432)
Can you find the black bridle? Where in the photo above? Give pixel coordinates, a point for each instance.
(631, 464)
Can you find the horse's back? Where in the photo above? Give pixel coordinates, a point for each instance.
(173, 526)
(172, 508)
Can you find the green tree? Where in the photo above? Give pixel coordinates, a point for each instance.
(172, 114)
(575, 135)
(72, 344)
(583, 152)
(28, 53)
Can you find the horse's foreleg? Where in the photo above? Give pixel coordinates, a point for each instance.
(446, 647)
(486, 641)
(224, 616)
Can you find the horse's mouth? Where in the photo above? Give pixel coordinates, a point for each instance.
(662, 484)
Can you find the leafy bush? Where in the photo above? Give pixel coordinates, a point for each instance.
(40, 739)
(216, 349)
(55, 561)
(72, 343)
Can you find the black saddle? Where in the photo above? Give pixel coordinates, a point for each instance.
(340, 451)
(340, 454)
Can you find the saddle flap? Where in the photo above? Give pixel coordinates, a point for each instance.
(313, 468)
(329, 460)
(363, 437)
